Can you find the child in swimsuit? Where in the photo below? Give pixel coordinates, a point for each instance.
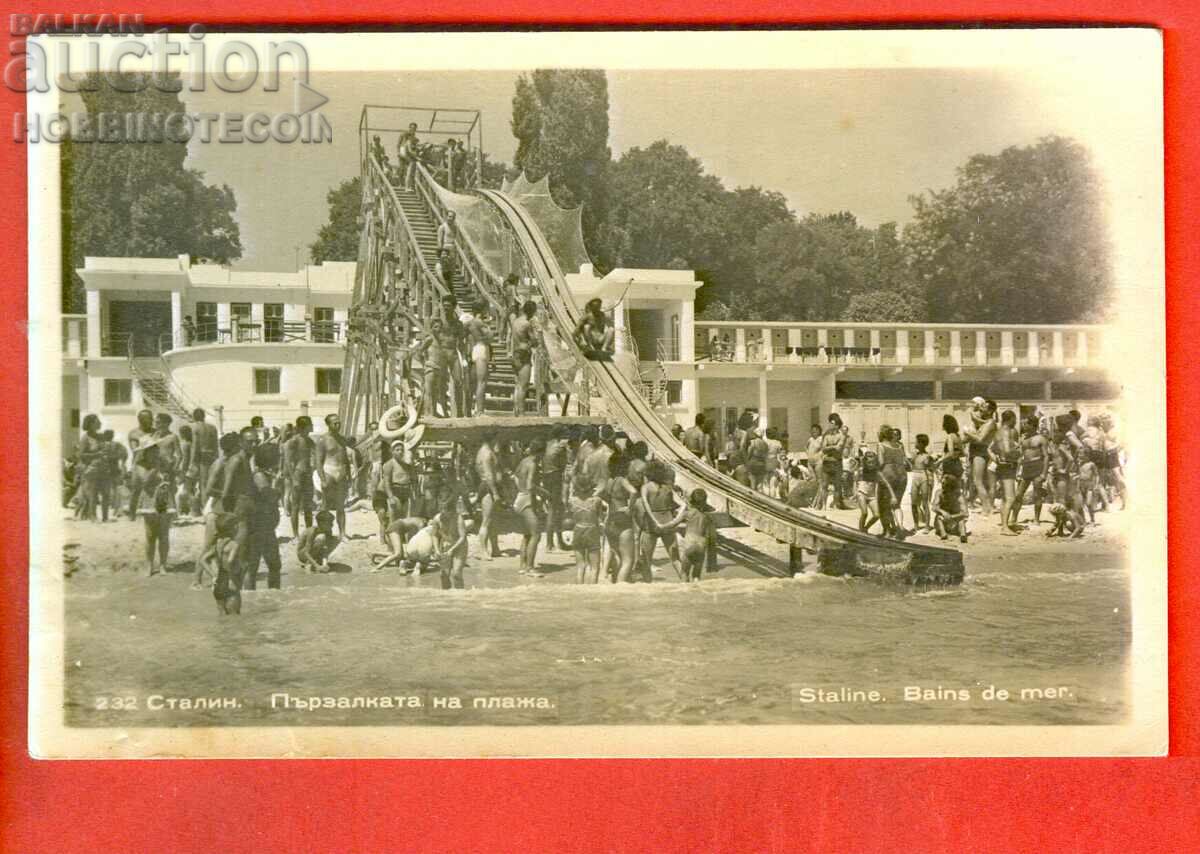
(922, 462)
(586, 510)
(950, 514)
(867, 491)
(699, 538)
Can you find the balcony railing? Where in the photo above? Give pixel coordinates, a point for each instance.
(268, 332)
(939, 345)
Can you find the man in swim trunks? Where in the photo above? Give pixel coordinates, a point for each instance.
(554, 466)
(204, 451)
(695, 439)
(487, 471)
(144, 474)
(1006, 451)
(522, 335)
(1035, 467)
(833, 443)
(299, 456)
(594, 335)
(317, 544)
(479, 339)
(236, 500)
(334, 469)
(528, 503)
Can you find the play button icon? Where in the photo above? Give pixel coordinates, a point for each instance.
(307, 98)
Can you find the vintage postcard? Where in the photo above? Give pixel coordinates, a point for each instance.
(596, 394)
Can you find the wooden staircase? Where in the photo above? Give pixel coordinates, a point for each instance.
(501, 379)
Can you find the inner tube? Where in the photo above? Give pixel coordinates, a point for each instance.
(401, 410)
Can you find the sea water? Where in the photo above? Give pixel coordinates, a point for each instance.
(727, 650)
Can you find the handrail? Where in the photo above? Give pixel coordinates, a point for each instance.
(468, 253)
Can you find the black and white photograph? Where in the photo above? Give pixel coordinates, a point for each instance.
(597, 394)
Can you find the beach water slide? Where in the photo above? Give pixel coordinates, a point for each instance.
(841, 550)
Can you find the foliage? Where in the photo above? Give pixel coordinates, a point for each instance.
(338, 238)
(1019, 237)
(560, 120)
(137, 198)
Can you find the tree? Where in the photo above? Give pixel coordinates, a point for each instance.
(136, 197)
(663, 208)
(884, 307)
(1020, 237)
(560, 120)
(338, 238)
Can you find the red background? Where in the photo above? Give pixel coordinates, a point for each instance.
(886, 805)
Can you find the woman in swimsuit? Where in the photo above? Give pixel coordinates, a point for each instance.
(619, 529)
(1006, 450)
(832, 443)
(922, 463)
(658, 503)
(979, 437)
(893, 470)
(1034, 468)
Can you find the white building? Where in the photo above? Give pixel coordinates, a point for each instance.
(272, 344)
(167, 335)
(907, 375)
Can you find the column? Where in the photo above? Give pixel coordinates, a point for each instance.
(93, 324)
(937, 389)
(930, 352)
(955, 347)
(739, 345)
(1034, 347)
(764, 403)
(823, 341)
(73, 343)
(1006, 347)
(902, 355)
(981, 347)
(1047, 392)
(222, 315)
(768, 344)
(176, 318)
(619, 327)
(1057, 350)
(1081, 349)
(687, 331)
(876, 345)
(795, 339)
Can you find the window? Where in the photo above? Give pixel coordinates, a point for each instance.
(118, 392)
(239, 319)
(206, 321)
(674, 392)
(329, 380)
(323, 328)
(273, 322)
(266, 380)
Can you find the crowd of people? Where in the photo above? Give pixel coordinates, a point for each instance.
(1067, 466)
(610, 493)
(615, 498)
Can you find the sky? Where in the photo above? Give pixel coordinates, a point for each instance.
(828, 140)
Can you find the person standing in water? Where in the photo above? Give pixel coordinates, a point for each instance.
(335, 470)
(1006, 451)
(893, 470)
(699, 537)
(527, 504)
(1035, 466)
(658, 503)
(979, 438)
(587, 511)
(922, 484)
